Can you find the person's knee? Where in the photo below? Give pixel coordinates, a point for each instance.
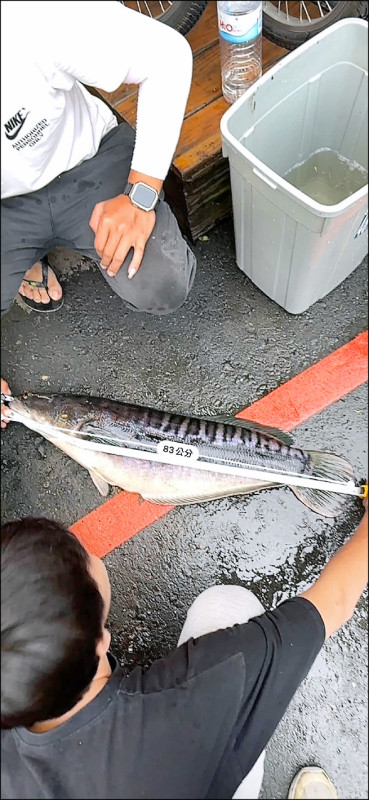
(221, 591)
(240, 601)
(167, 300)
(219, 607)
(166, 295)
(173, 269)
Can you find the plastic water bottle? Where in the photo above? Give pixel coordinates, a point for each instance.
(240, 25)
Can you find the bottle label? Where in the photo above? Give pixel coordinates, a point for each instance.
(241, 28)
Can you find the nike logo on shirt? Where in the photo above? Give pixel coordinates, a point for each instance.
(15, 125)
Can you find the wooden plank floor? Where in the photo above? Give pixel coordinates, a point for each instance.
(197, 186)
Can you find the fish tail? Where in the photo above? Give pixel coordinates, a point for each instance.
(326, 466)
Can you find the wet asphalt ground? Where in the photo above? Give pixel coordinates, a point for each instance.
(228, 346)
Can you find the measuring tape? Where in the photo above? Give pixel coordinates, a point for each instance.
(167, 452)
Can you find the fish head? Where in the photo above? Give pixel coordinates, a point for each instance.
(60, 411)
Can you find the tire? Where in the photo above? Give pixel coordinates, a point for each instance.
(181, 15)
(291, 35)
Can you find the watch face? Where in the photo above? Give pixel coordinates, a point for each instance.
(143, 195)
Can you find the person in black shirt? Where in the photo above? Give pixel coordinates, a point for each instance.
(74, 725)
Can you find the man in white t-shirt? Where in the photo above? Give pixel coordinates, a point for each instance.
(71, 176)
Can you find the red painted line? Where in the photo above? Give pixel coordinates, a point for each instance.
(314, 389)
(292, 403)
(116, 521)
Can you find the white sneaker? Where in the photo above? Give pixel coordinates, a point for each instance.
(312, 783)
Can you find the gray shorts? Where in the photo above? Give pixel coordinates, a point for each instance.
(58, 216)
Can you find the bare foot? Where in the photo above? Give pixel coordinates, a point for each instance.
(40, 295)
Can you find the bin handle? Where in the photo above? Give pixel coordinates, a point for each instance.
(264, 178)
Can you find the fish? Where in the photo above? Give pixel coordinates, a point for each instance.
(227, 438)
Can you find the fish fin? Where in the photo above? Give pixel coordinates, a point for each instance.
(282, 436)
(326, 466)
(183, 500)
(101, 485)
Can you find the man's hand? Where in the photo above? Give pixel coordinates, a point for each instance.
(4, 410)
(119, 225)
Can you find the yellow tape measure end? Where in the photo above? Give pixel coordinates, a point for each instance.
(364, 491)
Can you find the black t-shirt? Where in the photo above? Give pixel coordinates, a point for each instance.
(191, 726)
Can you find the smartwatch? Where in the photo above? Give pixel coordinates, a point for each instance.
(142, 195)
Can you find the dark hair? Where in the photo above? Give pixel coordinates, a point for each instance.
(52, 616)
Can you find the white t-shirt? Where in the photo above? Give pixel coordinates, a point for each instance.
(50, 122)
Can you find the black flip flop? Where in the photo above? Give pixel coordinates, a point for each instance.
(42, 308)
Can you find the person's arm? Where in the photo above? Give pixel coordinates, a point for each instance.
(339, 587)
(107, 44)
(162, 66)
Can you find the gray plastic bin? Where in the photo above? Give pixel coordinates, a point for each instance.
(292, 247)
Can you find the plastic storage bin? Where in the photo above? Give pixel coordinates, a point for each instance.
(294, 248)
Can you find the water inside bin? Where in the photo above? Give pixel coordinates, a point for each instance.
(327, 176)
